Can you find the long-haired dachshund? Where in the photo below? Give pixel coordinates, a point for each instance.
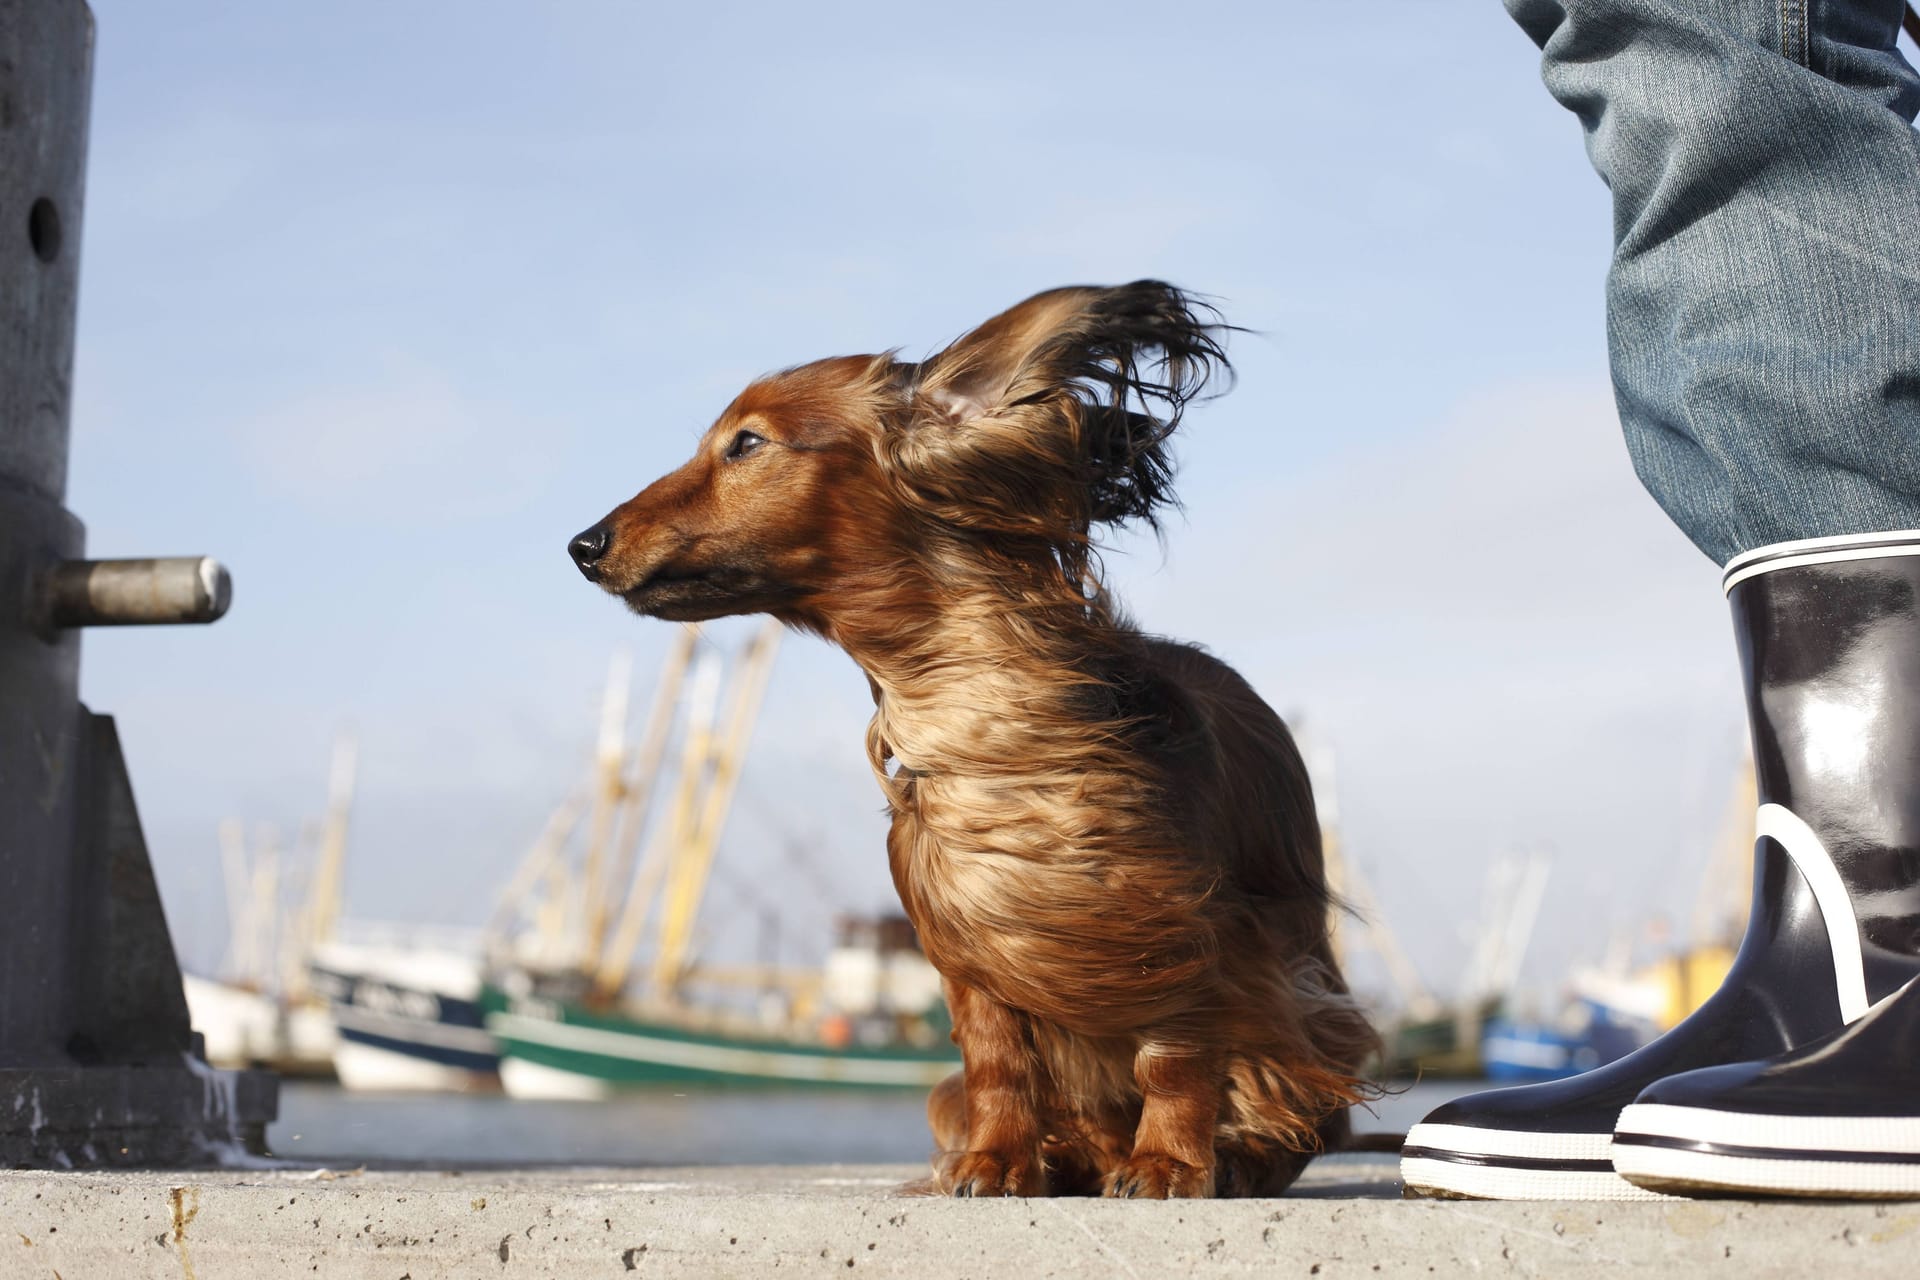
(1106, 840)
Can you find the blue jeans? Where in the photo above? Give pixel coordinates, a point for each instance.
(1763, 306)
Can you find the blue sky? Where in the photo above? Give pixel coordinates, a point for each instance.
(382, 302)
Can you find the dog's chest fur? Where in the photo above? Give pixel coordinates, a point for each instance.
(1023, 858)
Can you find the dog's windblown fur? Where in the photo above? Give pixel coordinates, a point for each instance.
(1106, 840)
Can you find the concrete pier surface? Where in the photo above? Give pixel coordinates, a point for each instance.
(1345, 1219)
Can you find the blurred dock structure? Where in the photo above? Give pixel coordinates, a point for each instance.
(1481, 1029)
(98, 1065)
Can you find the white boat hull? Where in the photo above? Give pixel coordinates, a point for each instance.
(531, 1080)
(370, 1069)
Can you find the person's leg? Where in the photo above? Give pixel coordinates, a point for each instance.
(1763, 305)
(1765, 332)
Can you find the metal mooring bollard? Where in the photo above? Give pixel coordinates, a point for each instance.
(98, 1064)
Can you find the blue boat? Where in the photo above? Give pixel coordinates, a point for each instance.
(1588, 1034)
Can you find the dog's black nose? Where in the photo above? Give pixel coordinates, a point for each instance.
(587, 548)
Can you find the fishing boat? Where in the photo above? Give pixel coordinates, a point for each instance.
(1435, 1040)
(406, 1005)
(553, 1049)
(1615, 1007)
(241, 1026)
(261, 1009)
(1590, 1032)
(872, 1020)
(595, 982)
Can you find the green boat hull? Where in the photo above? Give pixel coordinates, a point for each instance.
(614, 1051)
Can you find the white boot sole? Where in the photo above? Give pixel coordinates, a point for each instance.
(1693, 1149)
(1464, 1162)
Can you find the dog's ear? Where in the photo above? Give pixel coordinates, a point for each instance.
(978, 371)
(1054, 416)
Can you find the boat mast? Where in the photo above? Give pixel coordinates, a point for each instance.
(516, 898)
(241, 963)
(266, 912)
(1720, 903)
(610, 765)
(637, 795)
(323, 909)
(694, 860)
(670, 834)
(1350, 886)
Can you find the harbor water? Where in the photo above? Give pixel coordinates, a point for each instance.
(328, 1125)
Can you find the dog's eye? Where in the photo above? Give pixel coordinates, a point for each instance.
(743, 444)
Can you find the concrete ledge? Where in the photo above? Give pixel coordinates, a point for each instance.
(828, 1220)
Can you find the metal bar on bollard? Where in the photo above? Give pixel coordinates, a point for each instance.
(134, 593)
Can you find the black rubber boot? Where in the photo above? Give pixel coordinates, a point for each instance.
(1829, 635)
(1838, 1117)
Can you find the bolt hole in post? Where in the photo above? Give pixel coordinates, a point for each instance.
(43, 229)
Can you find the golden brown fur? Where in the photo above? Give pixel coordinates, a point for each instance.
(1106, 840)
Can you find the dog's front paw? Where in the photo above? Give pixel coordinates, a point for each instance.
(989, 1173)
(1152, 1177)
